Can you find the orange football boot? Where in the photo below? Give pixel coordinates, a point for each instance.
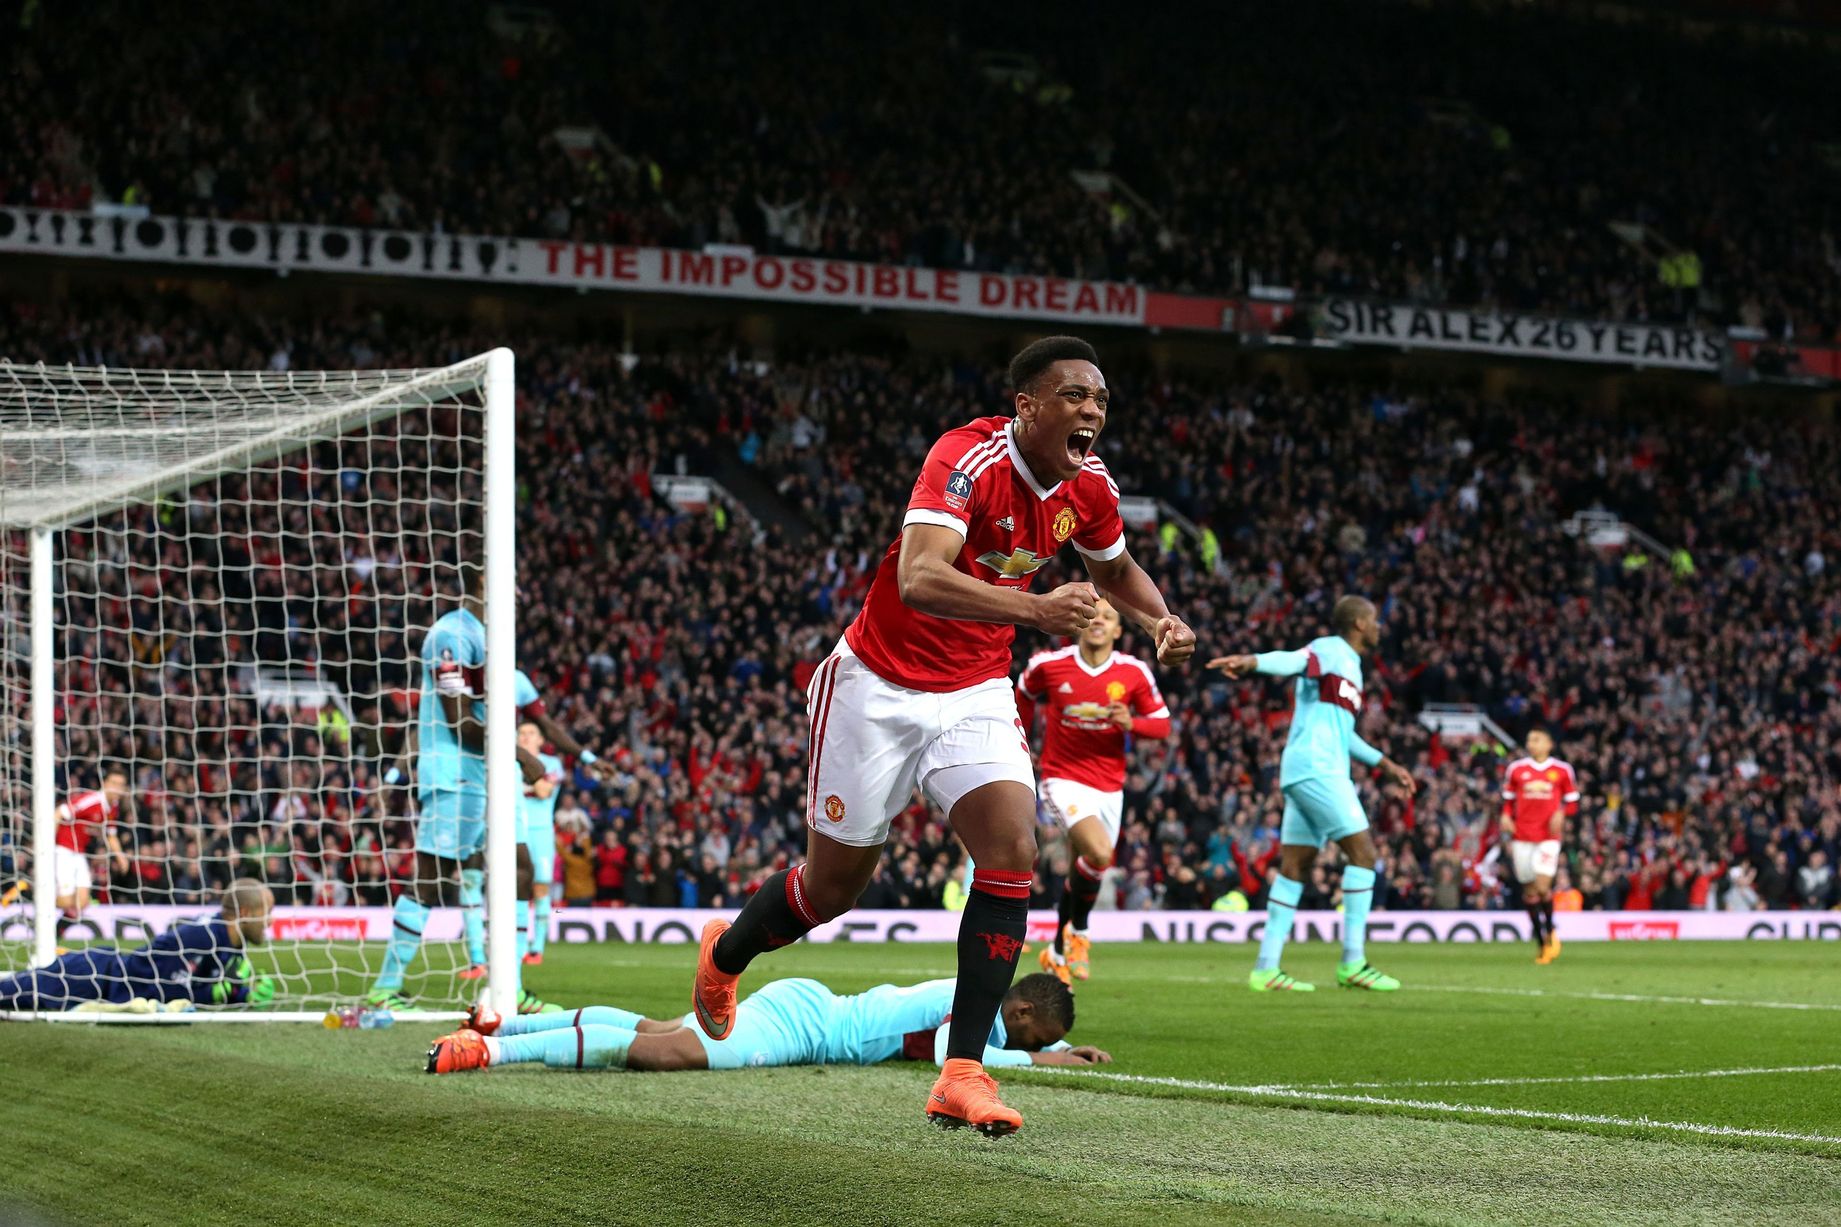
(459, 1052)
(1080, 953)
(1055, 967)
(476, 972)
(712, 997)
(965, 1097)
(483, 1019)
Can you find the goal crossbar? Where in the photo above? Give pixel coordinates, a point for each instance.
(37, 438)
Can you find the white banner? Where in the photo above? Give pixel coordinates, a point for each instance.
(1677, 347)
(126, 923)
(732, 274)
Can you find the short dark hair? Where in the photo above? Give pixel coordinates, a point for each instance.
(1543, 730)
(1036, 357)
(1348, 612)
(117, 769)
(1051, 998)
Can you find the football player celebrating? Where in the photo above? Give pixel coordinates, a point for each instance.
(917, 692)
(1096, 698)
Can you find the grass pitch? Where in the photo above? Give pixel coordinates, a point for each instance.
(1641, 1083)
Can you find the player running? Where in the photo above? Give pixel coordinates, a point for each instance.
(81, 820)
(193, 963)
(1320, 800)
(917, 692)
(1096, 698)
(786, 1022)
(1539, 792)
(450, 774)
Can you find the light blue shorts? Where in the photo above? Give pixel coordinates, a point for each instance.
(781, 1023)
(452, 825)
(542, 844)
(1321, 810)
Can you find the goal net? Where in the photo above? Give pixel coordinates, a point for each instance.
(214, 588)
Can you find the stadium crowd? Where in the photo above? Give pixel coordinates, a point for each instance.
(1696, 690)
(1339, 147)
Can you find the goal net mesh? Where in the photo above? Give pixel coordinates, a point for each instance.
(245, 564)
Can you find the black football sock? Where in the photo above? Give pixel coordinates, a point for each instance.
(1547, 915)
(1083, 887)
(1064, 913)
(990, 938)
(1535, 918)
(778, 915)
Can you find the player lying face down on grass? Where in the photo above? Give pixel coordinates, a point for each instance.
(917, 695)
(787, 1022)
(197, 963)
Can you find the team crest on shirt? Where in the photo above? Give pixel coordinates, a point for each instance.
(1115, 691)
(834, 808)
(1064, 523)
(958, 490)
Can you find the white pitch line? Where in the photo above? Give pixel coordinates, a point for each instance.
(1635, 997)
(1457, 1109)
(1575, 1078)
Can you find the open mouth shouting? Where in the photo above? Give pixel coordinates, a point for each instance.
(1080, 443)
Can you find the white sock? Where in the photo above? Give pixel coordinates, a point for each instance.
(492, 1050)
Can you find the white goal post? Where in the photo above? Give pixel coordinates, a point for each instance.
(200, 561)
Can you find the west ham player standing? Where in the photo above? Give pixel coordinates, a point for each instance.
(1538, 794)
(80, 820)
(450, 771)
(1096, 697)
(917, 693)
(1320, 800)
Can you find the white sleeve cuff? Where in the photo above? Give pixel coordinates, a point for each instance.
(1106, 555)
(943, 519)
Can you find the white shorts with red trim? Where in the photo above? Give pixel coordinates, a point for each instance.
(1068, 803)
(73, 871)
(1535, 859)
(873, 742)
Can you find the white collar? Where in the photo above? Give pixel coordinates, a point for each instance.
(1022, 466)
(1091, 671)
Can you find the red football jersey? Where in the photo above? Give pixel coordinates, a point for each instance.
(1082, 744)
(79, 817)
(1532, 793)
(976, 483)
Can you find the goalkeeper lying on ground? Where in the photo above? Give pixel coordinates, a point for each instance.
(786, 1022)
(200, 963)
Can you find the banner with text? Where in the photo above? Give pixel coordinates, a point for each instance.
(127, 923)
(736, 273)
(1509, 335)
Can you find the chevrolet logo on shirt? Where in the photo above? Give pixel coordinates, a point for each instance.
(1015, 565)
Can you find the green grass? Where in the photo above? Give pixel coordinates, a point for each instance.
(232, 1124)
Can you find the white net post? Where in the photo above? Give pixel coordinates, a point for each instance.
(504, 782)
(230, 575)
(43, 783)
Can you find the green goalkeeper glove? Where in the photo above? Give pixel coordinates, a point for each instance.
(242, 984)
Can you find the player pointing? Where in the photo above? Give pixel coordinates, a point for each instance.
(1095, 698)
(917, 693)
(1538, 793)
(1320, 800)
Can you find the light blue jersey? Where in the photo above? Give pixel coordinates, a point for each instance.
(537, 815)
(801, 1022)
(453, 663)
(527, 693)
(1328, 698)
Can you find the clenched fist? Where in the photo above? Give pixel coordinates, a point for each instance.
(1067, 610)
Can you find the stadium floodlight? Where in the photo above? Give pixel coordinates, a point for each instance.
(220, 580)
